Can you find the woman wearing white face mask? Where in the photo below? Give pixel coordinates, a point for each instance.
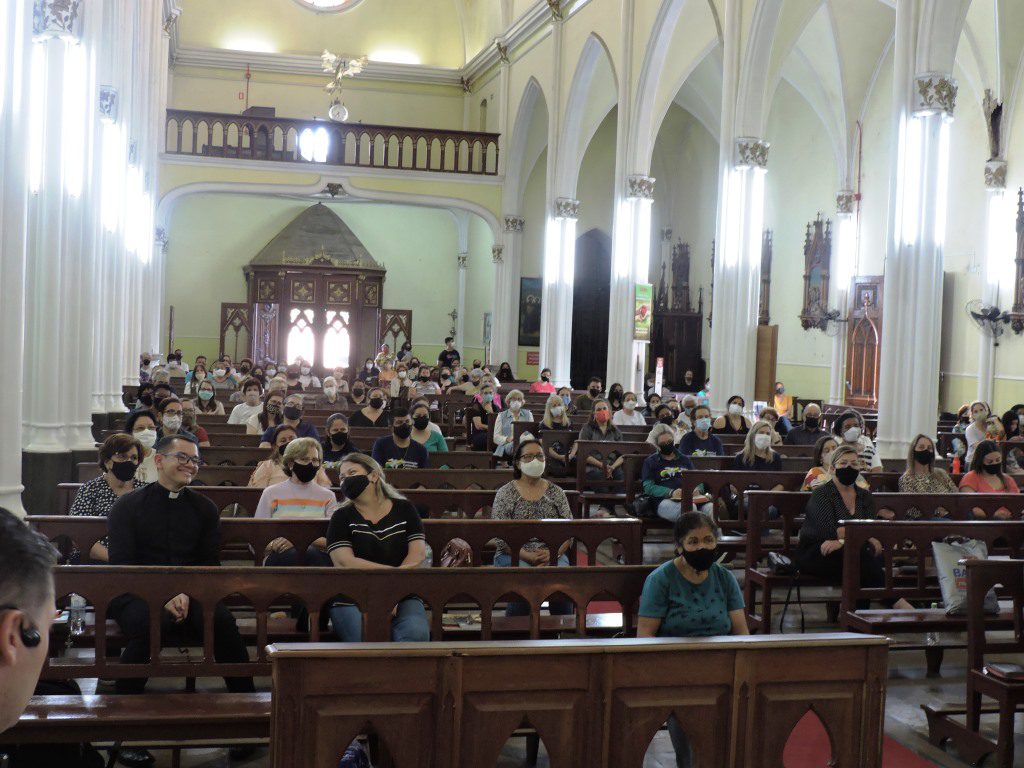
(975, 432)
(757, 454)
(733, 422)
(850, 427)
(306, 376)
(629, 416)
(503, 425)
(252, 392)
(332, 398)
(142, 426)
(561, 458)
(531, 497)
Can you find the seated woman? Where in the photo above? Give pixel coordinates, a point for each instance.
(615, 397)
(485, 403)
(291, 415)
(374, 413)
(369, 372)
(505, 375)
(771, 416)
(988, 475)
(190, 423)
(975, 430)
(921, 475)
(401, 384)
(662, 474)
(664, 415)
(821, 467)
(757, 454)
(530, 497)
(820, 551)
(543, 386)
(206, 400)
(629, 416)
(337, 445)
(653, 403)
(372, 507)
(691, 595)
(850, 429)
(601, 429)
(561, 458)
(503, 425)
(297, 497)
(566, 394)
(119, 458)
(700, 442)
(270, 471)
(331, 398)
(142, 426)
(733, 422)
(269, 416)
(358, 397)
(423, 431)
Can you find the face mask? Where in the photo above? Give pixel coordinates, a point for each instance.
(700, 559)
(146, 363)
(703, 424)
(174, 364)
(330, 391)
(354, 485)
(304, 370)
(281, 449)
(515, 405)
(245, 369)
(487, 397)
(565, 399)
(668, 418)
(292, 412)
(465, 378)
(852, 435)
(666, 449)
(146, 399)
(358, 392)
(594, 391)
(533, 468)
(927, 456)
(826, 457)
(545, 377)
(847, 475)
(980, 418)
(557, 411)
(123, 470)
(424, 379)
(811, 422)
(205, 395)
(271, 372)
(762, 441)
(601, 417)
(779, 390)
(402, 431)
(339, 438)
(401, 374)
(369, 366)
(304, 472)
(735, 409)
(219, 373)
(629, 405)
(200, 376)
(252, 398)
(172, 423)
(421, 422)
(273, 409)
(376, 402)
(992, 469)
(147, 437)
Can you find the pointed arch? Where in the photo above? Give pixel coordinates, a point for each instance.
(521, 158)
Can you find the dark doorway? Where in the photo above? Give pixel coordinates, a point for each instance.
(590, 295)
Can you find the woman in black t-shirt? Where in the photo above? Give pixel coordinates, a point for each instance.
(376, 527)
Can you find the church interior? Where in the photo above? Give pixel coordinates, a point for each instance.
(317, 312)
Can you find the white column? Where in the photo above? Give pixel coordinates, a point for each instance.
(738, 273)
(631, 257)
(997, 267)
(556, 297)
(841, 272)
(909, 378)
(507, 271)
(15, 35)
(460, 308)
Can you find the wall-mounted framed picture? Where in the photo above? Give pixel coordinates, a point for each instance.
(529, 311)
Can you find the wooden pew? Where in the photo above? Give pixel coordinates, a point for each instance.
(595, 705)
(1008, 695)
(83, 532)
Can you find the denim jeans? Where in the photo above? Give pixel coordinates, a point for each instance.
(409, 625)
(557, 606)
(670, 509)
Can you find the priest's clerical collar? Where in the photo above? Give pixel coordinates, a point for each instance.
(173, 494)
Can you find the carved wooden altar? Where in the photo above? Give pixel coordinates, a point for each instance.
(817, 257)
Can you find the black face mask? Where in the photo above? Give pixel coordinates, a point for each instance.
(667, 419)
(811, 422)
(339, 438)
(424, 379)
(146, 362)
(421, 422)
(354, 485)
(402, 431)
(992, 469)
(847, 475)
(292, 412)
(280, 449)
(146, 399)
(357, 392)
(700, 559)
(594, 391)
(123, 470)
(376, 402)
(926, 456)
(304, 472)
(666, 449)
(465, 377)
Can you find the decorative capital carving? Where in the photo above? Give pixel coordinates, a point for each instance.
(160, 237)
(107, 104)
(514, 223)
(666, 235)
(751, 153)
(496, 253)
(463, 260)
(467, 86)
(556, 10)
(567, 208)
(934, 93)
(54, 18)
(995, 174)
(641, 187)
(844, 201)
(502, 51)
(171, 20)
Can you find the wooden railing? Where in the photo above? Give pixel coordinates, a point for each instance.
(282, 139)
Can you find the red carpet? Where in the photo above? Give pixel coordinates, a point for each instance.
(809, 747)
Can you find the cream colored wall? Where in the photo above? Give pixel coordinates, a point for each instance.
(212, 236)
(597, 177)
(879, 154)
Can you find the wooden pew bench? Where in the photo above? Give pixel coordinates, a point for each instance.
(1007, 576)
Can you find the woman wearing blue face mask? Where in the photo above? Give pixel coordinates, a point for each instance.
(691, 596)
(206, 402)
(566, 394)
(700, 441)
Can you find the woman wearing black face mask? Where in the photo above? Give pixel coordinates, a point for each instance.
(144, 396)
(291, 415)
(922, 476)
(988, 475)
(337, 444)
(422, 431)
(374, 413)
(691, 596)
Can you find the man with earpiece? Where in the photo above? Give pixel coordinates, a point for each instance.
(26, 613)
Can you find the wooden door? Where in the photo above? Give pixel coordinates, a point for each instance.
(864, 342)
(590, 294)
(265, 332)
(236, 330)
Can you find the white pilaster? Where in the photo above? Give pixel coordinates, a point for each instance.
(841, 272)
(507, 271)
(556, 300)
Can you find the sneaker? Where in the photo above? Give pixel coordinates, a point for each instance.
(135, 758)
(354, 757)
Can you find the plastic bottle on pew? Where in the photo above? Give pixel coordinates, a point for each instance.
(76, 616)
(932, 638)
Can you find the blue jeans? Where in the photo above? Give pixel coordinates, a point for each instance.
(670, 509)
(557, 606)
(289, 558)
(409, 625)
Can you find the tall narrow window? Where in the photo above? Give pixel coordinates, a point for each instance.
(301, 339)
(336, 340)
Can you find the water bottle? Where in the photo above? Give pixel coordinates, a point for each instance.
(932, 638)
(76, 616)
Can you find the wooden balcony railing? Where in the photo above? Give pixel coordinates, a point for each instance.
(282, 139)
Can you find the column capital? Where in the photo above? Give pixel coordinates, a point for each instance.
(567, 208)
(54, 18)
(666, 235)
(502, 50)
(640, 187)
(107, 103)
(751, 152)
(497, 252)
(555, 6)
(995, 175)
(514, 223)
(160, 237)
(463, 260)
(845, 201)
(934, 93)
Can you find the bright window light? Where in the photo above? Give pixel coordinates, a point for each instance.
(733, 199)
(552, 239)
(568, 274)
(75, 85)
(336, 340)
(942, 180)
(755, 201)
(313, 145)
(301, 340)
(395, 57)
(36, 117)
(911, 182)
(253, 44)
(642, 255)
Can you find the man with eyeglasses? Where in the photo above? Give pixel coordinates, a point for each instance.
(167, 523)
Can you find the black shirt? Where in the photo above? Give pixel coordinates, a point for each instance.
(385, 542)
(824, 511)
(360, 419)
(332, 454)
(774, 464)
(803, 436)
(447, 359)
(152, 526)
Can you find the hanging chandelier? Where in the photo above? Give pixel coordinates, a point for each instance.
(339, 68)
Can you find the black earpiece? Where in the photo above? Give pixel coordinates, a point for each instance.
(30, 637)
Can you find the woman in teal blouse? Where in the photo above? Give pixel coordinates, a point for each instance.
(691, 596)
(424, 432)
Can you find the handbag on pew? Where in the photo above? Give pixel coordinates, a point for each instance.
(950, 555)
(457, 554)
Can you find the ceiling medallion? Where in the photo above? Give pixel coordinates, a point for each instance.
(328, 6)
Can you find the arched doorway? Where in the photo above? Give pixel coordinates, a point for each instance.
(590, 295)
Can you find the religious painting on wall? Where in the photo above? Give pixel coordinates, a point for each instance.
(529, 311)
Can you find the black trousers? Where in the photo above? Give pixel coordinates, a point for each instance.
(830, 568)
(132, 616)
